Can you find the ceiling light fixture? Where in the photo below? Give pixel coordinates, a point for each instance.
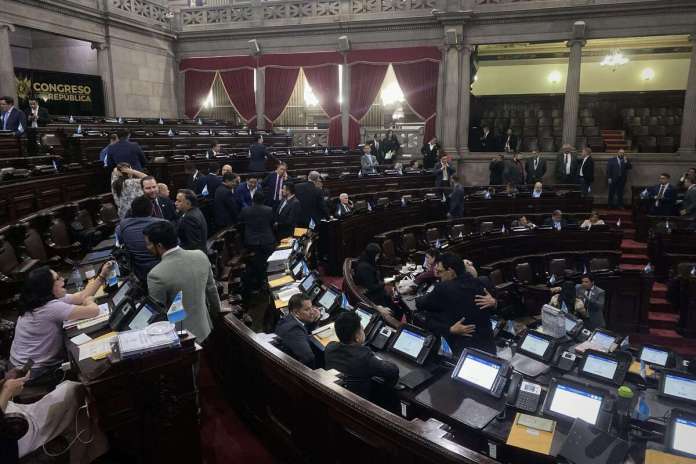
(614, 59)
(648, 74)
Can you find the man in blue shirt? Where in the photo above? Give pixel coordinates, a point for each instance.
(125, 151)
(113, 138)
(130, 233)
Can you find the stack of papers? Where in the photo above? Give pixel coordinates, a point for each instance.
(133, 342)
(97, 348)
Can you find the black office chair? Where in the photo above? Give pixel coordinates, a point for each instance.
(524, 273)
(485, 227)
(599, 264)
(557, 267)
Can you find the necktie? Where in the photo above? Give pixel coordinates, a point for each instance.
(587, 294)
(445, 174)
(662, 192)
(567, 163)
(156, 210)
(282, 205)
(536, 163)
(279, 185)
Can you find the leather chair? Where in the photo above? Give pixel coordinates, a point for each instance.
(60, 241)
(684, 269)
(557, 267)
(524, 273)
(360, 206)
(600, 264)
(458, 230)
(10, 265)
(496, 277)
(485, 227)
(389, 256)
(409, 243)
(432, 235)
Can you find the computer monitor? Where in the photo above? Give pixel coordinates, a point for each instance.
(409, 343)
(297, 269)
(573, 325)
(120, 294)
(602, 340)
(308, 283)
(482, 371)
(144, 316)
(678, 385)
(680, 437)
(654, 355)
(604, 367)
(568, 400)
(365, 317)
(328, 299)
(537, 345)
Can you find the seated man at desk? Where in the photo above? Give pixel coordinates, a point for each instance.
(523, 223)
(345, 206)
(294, 330)
(451, 310)
(44, 306)
(593, 220)
(556, 220)
(351, 357)
(538, 189)
(130, 233)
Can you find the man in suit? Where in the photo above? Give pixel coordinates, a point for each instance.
(594, 298)
(130, 234)
(185, 271)
(257, 155)
(688, 206)
(12, 118)
(431, 153)
(258, 237)
(456, 206)
(535, 168)
(311, 199)
(556, 220)
(288, 212)
(225, 205)
(113, 139)
(451, 311)
(37, 116)
(199, 170)
(356, 361)
(497, 169)
(162, 207)
(663, 196)
(294, 330)
(510, 142)
(368, 161)
(272, 185)
(586, 172)
(214, 150)
(376, 148)
(486, 140)
(207, 185)
(617, 173)
(566, 166)
(443, 172)
(125, 151)
(246, 191)
(514, 171)
(345, 206)
(192, 228)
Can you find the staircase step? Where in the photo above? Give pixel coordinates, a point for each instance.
(630, 244)
(659, 290)
(630, 233)
(666, 333)
(660, 320)
(634, 258)
(661, 305)
(631, 267)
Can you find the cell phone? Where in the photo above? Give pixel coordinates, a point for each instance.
(24, 370)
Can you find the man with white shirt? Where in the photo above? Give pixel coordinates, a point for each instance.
(535, 167)
(510, 142)
(586, 171)
(288, 212)
(663, 196)
(11, 119)
(368, 161)
(37, 116)
(566, 166)
(345, 206)
(430, 152)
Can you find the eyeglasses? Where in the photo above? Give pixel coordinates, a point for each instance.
(59, 278)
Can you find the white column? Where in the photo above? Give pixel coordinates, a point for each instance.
(106, 73)
(449, 119)
(688, 136)
(572, 93)
(345, 102)
(8, 85)
(260, 98)
(464, 99)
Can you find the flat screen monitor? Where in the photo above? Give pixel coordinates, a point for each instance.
(535, 344)
(602, 340)
(654, 355)
(308, 283)
(478, 371)
(365, 317)
(679, 386)
(571, 323)
(600, 366)
(409, 343)
(142, 317)
(681, 433)
(296, 246)
(297, 269)
(120, 294)
(575, 402)
(327, 300)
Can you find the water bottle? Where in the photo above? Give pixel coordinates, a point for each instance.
(643, 409)
(76, 279)
(623, 410)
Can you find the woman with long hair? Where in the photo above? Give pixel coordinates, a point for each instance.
(125, 187)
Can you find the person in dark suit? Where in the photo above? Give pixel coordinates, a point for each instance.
(272, 185)
(509, 142)
(367, 275)
(594, 298)
(535, 167)
(356, 361)
(125, 151)
(199, 170)
(192, 229)
(345, 206)
(130, 235)
(688, 206)
(557, 221)
(214, 150)
(13, 119)
(257, 155)
(496, 168)
(258, 238)
(37, 116)
(162, 207)
(390, 143)
(207, 185)
(513, 173)
(566, 166)
(443, 172)
(294, 331)
(456, 206)
(486, 139)
(311, 200)
(245, 192)
(376, 149)
(586, 171)
(225, 205)
(431, 153)
(617, 173)
(288, 212)
(663, 196)
(451, 311)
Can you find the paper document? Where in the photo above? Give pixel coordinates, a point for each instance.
(135, 341)
(280, 281)
(97, 348)
(280, 255)
(81, 339)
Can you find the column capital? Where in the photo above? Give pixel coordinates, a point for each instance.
(10, 27)
(99, 46)
(576, 42)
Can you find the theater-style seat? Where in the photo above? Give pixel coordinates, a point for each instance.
(10, 264)
(557, 267)
(496, 277)
(409, 243)
(432, 234)
(60, 241)
(485, 227)
(389, 256)
(599, 264)
(458, 230)
(524, 273)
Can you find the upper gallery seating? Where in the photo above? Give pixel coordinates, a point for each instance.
(653, 129)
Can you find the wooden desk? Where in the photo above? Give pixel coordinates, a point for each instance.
(147, 405)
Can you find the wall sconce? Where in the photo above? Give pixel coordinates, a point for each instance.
(554, 77)
(647, 74)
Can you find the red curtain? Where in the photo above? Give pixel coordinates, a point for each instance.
(280, 82)
(239, 85)
(324, 83)
(197, 87)
(365, 82)
(418, 82)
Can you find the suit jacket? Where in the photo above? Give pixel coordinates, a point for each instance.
(594, 304)
(487, 142)
(586, 169)
(689, 203)
(288, 217)
(343, 210)
(166, 206)
(312, 203)
(451, 301)
(514, 172)
(258, 225)
(496, 169)
(561, 168)
(187, 271)
(535, 175)
(617, 171)
(368, 164)
(296, 340)
(244, 194)
(457, 201)
(225, 207)
(212, 181)
(514, 142)
(12, 120)
(269, 189)
(665, 205)
(548, 222)
(359, 364)
(257, 158)
(193, 230)
(42, 117)
(430, 155)
(130, 234)
(124, 151)
(439, 175)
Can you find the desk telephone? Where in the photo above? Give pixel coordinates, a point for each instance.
(523, 394)
(381, 336)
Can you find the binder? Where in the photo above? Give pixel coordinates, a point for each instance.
(653, 456)
(529, 438)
